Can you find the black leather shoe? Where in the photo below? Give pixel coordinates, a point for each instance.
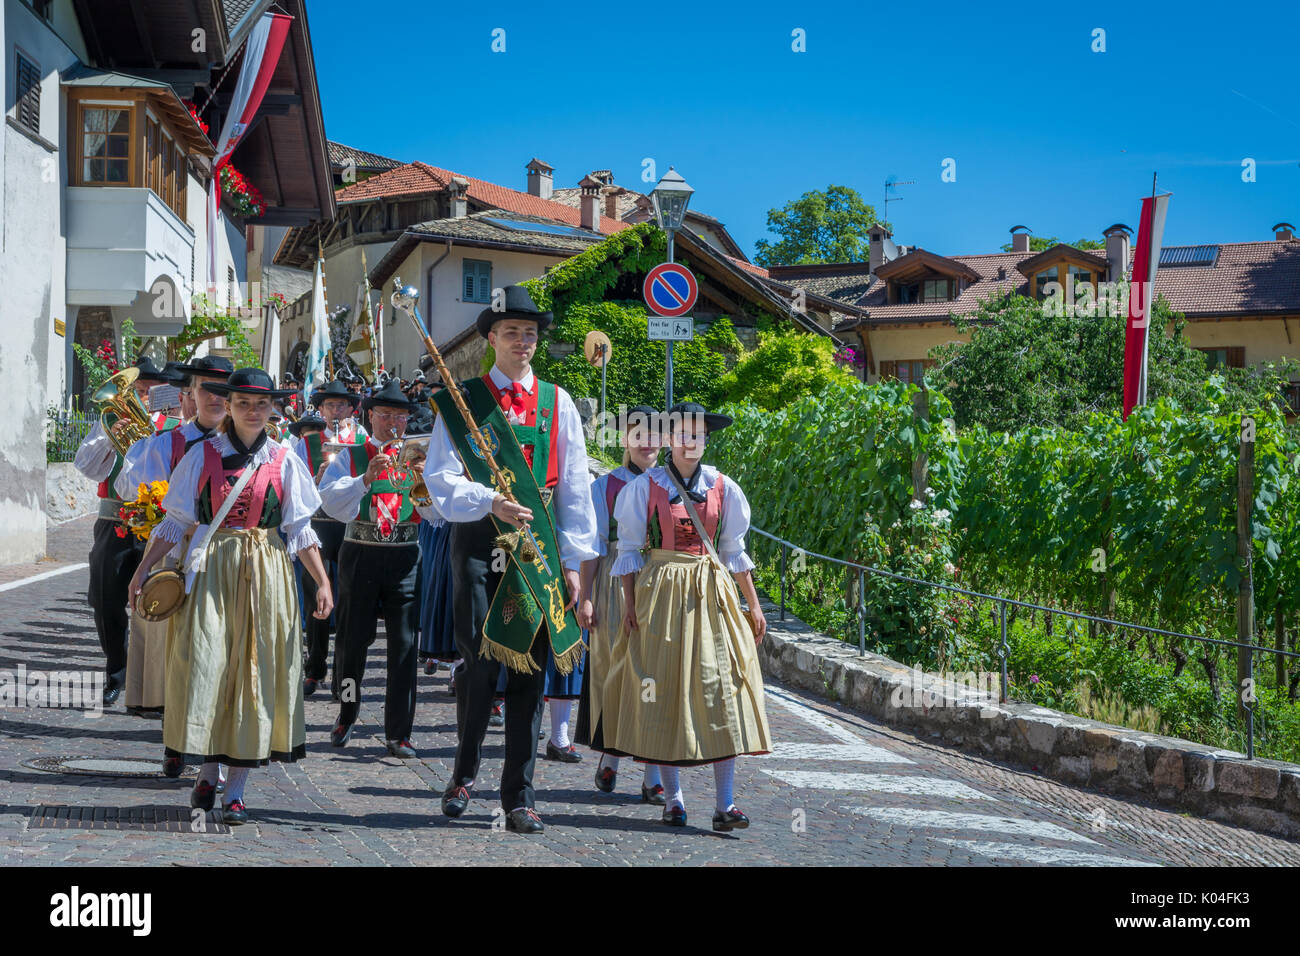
(400, 748)
(234, 812)
(341, 733)
(568, 754)
(203, 796)
(430, 668)
(524, 820)
(605, 777)
(173, 767)
(309, 686)
(653, 795)
(733, 819)
(675, 816)
(454, 801)
(112, 691)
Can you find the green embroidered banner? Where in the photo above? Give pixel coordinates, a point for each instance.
(527, 596)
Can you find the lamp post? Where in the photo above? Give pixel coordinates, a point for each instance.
(670, 197)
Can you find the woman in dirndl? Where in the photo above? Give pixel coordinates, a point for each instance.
(685, 687)
(234, 668)
(601, 610)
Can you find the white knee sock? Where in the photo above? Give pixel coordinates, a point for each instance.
(209, 772)
(724, 782)
(235, 785)
(609, 763)
(672, 779)
(560, 710)
(652, 778)
(221, 772)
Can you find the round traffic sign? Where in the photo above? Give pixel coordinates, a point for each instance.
(670, 289)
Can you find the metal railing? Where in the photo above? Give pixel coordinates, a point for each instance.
(64, 434)
(1004, 649)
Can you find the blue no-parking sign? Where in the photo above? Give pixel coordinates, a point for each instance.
(670, 289)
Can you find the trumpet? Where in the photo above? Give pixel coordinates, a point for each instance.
(122, 416)
(405, 452)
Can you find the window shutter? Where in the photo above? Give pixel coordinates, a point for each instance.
(1237, 357)
(470, 273)
(485, 282)
(28, 99)
(888, 369)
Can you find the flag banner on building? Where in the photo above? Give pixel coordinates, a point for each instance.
(271, 341)
(1141, 295)
(261, 54)
(360, 346)
(318, 351)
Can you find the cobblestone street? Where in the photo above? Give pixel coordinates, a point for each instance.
(839, 789)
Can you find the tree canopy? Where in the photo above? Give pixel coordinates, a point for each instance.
(819, 226)
(1043, 243)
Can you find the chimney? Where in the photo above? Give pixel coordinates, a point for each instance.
(611, 203)
(1117, 238)
(459, 192)
(540, 178)
(880, 247)
(1283, 231)
(1020, 240)
(589, 203)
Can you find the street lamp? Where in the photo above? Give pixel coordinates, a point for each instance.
(671, 196)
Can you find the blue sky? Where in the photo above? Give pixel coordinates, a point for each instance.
(1043, 130)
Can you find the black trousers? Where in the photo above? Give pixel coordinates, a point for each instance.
(113, 562)
(330, 533)
(473, 585)
(374, 578)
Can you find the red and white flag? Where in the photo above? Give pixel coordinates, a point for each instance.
(261, 54)
(1141, 295)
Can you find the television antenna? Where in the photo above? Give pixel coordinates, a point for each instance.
(890, 183)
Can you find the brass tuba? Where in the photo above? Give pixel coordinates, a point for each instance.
(121, 414)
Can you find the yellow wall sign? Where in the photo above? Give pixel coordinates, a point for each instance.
(59, 327)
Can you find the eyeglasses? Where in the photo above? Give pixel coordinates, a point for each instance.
(391, 416)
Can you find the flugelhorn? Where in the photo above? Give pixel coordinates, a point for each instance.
(122, 416)
(404, 298)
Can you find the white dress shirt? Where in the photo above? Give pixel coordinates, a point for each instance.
(631, 511)
(96, 455)
(150, 459)
(341, 492)
(598, 486)
(460, 499)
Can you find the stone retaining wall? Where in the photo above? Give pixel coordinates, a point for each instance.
(68, 493)
(1263, 795)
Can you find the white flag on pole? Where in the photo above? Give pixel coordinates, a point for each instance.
(318, 351)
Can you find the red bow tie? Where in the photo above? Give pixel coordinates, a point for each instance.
(514, 400)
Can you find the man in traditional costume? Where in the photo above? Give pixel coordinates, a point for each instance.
(683, 627)
(234, 670)
(510, 611)
(150, 460)
(115, 553)
(336, 408)
(378, 567)
(601, 609)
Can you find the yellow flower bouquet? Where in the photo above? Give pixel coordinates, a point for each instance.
(142, 515)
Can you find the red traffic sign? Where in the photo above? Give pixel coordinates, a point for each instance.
(670, 289)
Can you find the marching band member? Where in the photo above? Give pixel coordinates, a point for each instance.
(601, 610)
(113, 556)
(334, 405)
(378, 569)
(683, 627)
(509, 611)
(154, 459)
(234, 670)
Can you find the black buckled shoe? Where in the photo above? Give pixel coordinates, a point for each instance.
(430, 667)
(341, 733)
(173, 767)
(605, 777)
(674, 816)
(234, 812)
(203, 796)
(524, 820)
(733, 819)
(112, 691)
(400, 748)
(653, 794)
(567, 754)
(454, 801)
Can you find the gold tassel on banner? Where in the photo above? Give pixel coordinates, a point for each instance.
(566, 662)
(516, 661)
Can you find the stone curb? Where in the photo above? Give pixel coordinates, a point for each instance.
(1222, 785)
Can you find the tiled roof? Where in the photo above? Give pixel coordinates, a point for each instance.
(876, 297)
(749, 266)
(1247, 278)
(234, 11)
(417, 178)
(480, 227)
(624, 202)
(361, 159)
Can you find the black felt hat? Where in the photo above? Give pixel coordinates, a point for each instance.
(687, 411)
(309, 420)
(249, 381)
(175, 372)
(334, 389)
(390, 396)
(150, 372)
(209, 365)
(518, 305)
